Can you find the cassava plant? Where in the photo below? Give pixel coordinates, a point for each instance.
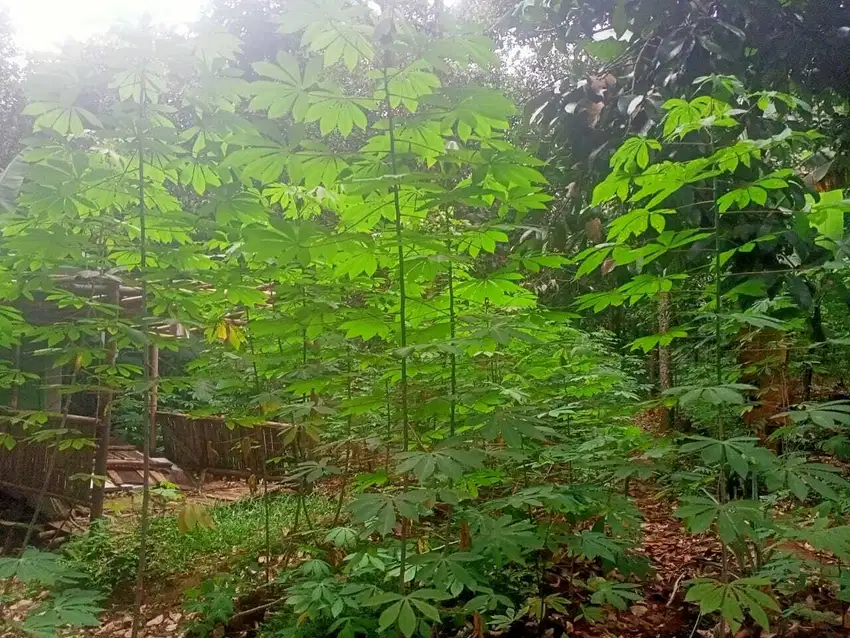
(712, 213)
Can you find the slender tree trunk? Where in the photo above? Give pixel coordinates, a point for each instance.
(15, 393)
(818, 336)
(665, 372)
(150, 413)
(104, 421)
(154, 398)
(402, 318)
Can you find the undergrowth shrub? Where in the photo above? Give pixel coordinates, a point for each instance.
(108, 551)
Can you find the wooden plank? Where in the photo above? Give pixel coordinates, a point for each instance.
(135, 465)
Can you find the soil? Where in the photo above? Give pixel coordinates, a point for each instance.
(674, 555)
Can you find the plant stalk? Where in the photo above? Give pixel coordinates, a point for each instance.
(147, 427)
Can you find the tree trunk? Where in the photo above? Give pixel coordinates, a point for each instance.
(818, 336)
(665, 372)
(154, 395)
(104, 423)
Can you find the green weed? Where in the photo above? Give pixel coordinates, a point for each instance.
(107, 553)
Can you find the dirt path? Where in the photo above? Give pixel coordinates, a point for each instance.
(675, 556)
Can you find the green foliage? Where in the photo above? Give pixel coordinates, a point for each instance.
(618, 595)
(108, 552)
(211, 604)
(69, 604)
(68, 608)
(352, 237)
(657, 199)
(733, 599)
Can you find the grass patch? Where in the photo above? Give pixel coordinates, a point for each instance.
(108, 552)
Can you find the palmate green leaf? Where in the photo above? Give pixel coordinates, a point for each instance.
(419, 138)
(461, 48)
(65, 119)
(407, 86)
(618, 595)
(740, 198)
(663, 339)
(499, 290)
(216, 43)
(504, 539)
(636, 223)
(508, 170)
(616, 184)
(401, 610)
(822, 537)
(259, 159)
(513, 429)
(337, 112)
(647, 285)
(366, 326)
(724, 394)
(288, 89)
(738, 452)
(240, 209)
(199, 175)
(357, 258)
(450, 572)
(599, 301)
(729, 158)
(314, 164)
(591, 545)
(633, 154)
(733, 519)
(800, 476)
(37, 567)
(564, 500)
(830, 415)
(472, 111)
(484, 238)
(591, 258)
(661, 181)
(731, 599)
(343, 537)
(379, 511)
(130, 83)
(284, 241)
(826, 215)
(684, 116)
(68, 608)
(339, 40)
(605, 50)
(449, 463)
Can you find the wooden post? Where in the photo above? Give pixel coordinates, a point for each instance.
(104, 421)
(154, 393)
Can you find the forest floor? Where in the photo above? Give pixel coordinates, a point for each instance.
(674, 555)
